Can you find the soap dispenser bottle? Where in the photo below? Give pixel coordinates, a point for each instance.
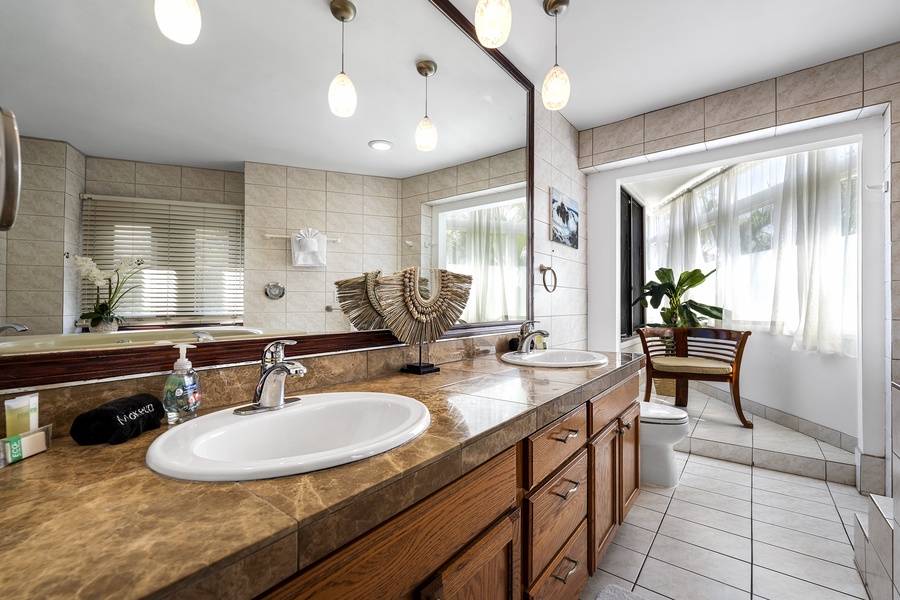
(181, 396)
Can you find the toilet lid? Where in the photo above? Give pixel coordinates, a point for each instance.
(662, 414)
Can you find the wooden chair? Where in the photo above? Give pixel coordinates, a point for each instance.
(695, 353)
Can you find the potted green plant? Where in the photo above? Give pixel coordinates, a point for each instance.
(679, 312)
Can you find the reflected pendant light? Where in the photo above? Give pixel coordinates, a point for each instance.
(426, 132)
(178, 20)
(493, 21)
(341, 93)
(556, 88)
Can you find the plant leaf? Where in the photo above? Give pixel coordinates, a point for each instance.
(714, 312)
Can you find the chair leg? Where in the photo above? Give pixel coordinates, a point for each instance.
(649, 382)
(736, 400)
(681, 392)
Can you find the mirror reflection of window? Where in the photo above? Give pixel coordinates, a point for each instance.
(486, 237)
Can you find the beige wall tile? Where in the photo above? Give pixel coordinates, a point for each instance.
(474, 187)
(31, 252)
(619, 154)
(344, 183)
(344, 202)
(37, 304)
(234, 198)
(37, 228)
(74, 183)
(41, 203)
(819, 109)
(159, 192)
(741, 126)
(383, 225)
(507, 163)
(383, 207)
(307, 179)
(109, 188)
(414, 186)
(154, 174)
(674, 120)
(234, 182)
(49, 279)
(475, 171)
(48, 153)
(442, 180)
(881, 67)
(39, 177)
(889, 93)
(823, 82)
(741, 103)
(264, 216)
(504, 180)
(621, 134)
(198, 195)
(676, 141)
(297, 220)
(585, 143)
(306, 199)
(265, 195)
(264, 174)
(74, 161)
(104, 169)
(385, 187)
(563, 131)
(203, 179)
(343, 223)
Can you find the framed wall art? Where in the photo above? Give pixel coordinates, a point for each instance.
(563, 219)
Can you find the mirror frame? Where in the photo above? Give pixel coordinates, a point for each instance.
(53, 368)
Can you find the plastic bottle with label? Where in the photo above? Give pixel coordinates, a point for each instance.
(181, 396)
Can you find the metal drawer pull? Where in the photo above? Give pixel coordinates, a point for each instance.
(573, 433)
(626, 428)
(570, 492)
(570, 573)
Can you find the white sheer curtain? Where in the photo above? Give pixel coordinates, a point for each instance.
(781, 234)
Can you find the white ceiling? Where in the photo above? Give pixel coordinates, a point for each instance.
(99, 75)
(626, 58)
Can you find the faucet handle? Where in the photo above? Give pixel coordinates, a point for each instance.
(274, 351)
(527, 327)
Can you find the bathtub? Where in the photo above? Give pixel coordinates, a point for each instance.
(27, 344)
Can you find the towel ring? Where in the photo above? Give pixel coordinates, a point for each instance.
(544, 270)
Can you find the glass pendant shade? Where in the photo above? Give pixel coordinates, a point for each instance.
(178, 20)
(493, 22)
(426, 135)
(556, 88)
(342, 96)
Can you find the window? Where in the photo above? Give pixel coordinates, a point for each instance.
(631, 233)
(486, 237)
(193, 252)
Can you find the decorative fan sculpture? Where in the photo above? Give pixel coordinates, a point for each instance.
(359, 302)
(414, 319)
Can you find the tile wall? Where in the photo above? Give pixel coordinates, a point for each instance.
(862, 85)
(38, 287)
(564, 312)
(362, 212)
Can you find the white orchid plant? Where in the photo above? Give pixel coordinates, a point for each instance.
(115, 282)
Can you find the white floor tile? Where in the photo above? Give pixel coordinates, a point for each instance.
(644, 518)
(797, 505)
(698, 468)
(702, 536)
(680, 584)
(622, 562)
(727, 504)
(789, 477)
(722, 464)
(772, 585)
(600, 580)
(656, 502)
(815, 494)
(808, 568)
(828, 529)
(634, 538)
(648, 595)
(716, 519)
(721, 568)
(804, 543)
(711, 484)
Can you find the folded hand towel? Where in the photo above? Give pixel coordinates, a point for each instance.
(118, 421)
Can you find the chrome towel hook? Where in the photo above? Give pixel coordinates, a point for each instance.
(544, 270)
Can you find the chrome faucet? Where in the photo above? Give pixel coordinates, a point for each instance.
(527, 333)
(204, 336)
(17, 326)
(269, 393)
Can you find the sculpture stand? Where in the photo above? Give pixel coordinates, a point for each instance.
(420, 368)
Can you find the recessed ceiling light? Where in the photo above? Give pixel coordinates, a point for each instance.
(380, 145)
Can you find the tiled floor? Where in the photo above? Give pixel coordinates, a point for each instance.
(717, 433)
(734, 531)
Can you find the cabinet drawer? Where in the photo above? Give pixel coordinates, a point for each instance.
(553, 512)
(568, 575)
(550, 447)
(608, 405)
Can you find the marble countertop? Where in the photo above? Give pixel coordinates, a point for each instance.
(94, 521)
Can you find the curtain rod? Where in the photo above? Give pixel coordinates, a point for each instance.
(691, 186)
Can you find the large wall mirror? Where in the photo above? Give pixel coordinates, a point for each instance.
(252, 93)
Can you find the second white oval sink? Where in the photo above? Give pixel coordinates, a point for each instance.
(317, 432)
(556, 358)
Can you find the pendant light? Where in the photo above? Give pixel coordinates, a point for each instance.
(556, 88)
(493, 21)
(426, 132)
(178, 20)
(341, 93)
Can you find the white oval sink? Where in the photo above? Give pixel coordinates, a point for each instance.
(317, 432)
(556, 358)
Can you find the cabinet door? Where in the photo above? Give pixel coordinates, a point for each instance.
(489, 568)
(603, 499)
(567, 576)
(630, 458)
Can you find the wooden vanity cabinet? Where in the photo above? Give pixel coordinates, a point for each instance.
(401, 556)
(614, 464)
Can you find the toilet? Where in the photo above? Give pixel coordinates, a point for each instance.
(662, 427)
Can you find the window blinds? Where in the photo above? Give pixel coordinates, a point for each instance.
(193, 257)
